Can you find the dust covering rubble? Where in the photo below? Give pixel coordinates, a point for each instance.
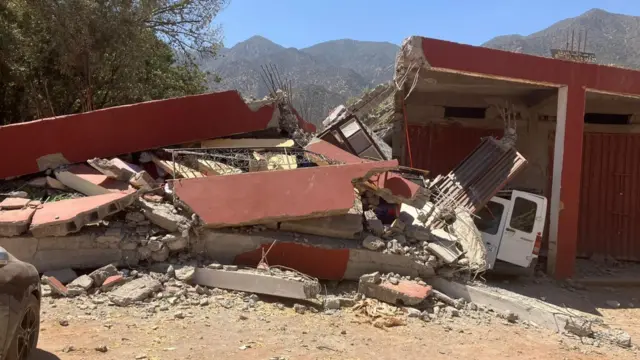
(156, 206)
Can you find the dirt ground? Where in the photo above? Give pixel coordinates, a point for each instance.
(227, 329)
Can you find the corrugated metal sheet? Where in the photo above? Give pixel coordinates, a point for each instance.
(610, 196)
(439, 148)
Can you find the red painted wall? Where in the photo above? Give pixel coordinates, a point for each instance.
(123, 129)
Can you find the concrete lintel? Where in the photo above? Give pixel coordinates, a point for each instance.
(254, 282)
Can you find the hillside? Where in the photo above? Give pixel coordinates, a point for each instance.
(330, 72)
(614, 38)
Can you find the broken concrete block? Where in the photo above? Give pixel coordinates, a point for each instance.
(373, 243)
(15, 222)
(114, 168)
(258, 283)
(54, 183)
(142, 180)
(84, 283)
(100, 275)
(13, 203)
(163, 216)
(185, 273)
(175, 169)
(347, 226)
(88, 181)
(247, 143)
(135, 290)
(175, 242)
(161, 255)
(444, 246)
(56, 286)
(222, 201)
(68, 216)
(65, 276)
(375, 226)
(405, 293)
(211, 167)
(398, 226)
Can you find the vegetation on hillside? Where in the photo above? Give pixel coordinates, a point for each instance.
(68, 56)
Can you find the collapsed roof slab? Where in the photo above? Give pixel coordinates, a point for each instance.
(263, 197)
(130, 128)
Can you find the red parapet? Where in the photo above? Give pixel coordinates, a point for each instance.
(129, 128)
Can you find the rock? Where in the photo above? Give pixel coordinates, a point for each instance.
(100, 275)
(472, 306)
(179, 315)
(451, 311)
(371, 278)
(622, 339)
(203, 290)
(63, 322)
(230, 267)
(579, 327)
(394, 280)
(160, 255)
(373, 243)
(204, 302)
(160, 267)
(68, 349)
(175, 242)
(135, 217)
(332, 303)
(610, 303)
(65, 276)
(136, 290)
(80, 285)
(102, 349)
(413, 313)
(510, 316)
(215, 266)
(185, 273)
(155, 245)
(144, 252)
(300, 309)
(401, 239)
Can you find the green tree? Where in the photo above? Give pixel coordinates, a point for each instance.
(67, 56)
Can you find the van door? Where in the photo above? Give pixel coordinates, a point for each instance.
(490, 220)
(524, 226)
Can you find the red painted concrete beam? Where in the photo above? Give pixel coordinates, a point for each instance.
(131, 128)
(268, 196)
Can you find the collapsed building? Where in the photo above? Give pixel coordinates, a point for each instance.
(210, 179)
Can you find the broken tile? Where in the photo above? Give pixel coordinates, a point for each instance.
(13, 203)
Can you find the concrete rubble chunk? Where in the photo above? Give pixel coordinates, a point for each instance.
(373, 243)
(114, 168)
(347, 226)
(175, 242)
(142, 180)
(444, 246)
(15, 222)
(164, 216)
(65, 276)
(375, 226)
(135, 290)
(470, 240)
(185, 273)
(305, 193)
(258, 283)
(84, 282)
(68, 216)
(13, 203)
(101, 274)
(160, 255)
(88, 181)
(406, 293)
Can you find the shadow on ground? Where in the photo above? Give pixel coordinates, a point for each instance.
(43, 355)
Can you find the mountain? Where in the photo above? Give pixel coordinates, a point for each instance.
(614, 38)
(328, 73)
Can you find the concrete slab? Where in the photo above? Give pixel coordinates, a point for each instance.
(114, 168)
(332, 152)
(254, 282)
(88, 180)
(142, 180)
(68, 216)
(247, 143)
(163, 215)
(15, 222)
(268, 196)
(13, 203)
(347, 226)
(405, 293)
(175, 169)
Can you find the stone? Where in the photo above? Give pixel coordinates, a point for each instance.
(401, 239)
(82, 283)
(373, 243)
(413, 313)
(373, 278)
(135, 217)
(215, 266)
(155, 245)
(613, 304)
(179, 315)
(160, 267)
(135, 290)
(163, 216)
(175, 242)
(451, 311)
(185, 273)
(510, 316)
(394, 280)
(160, 255)
(230, 267)
(299, 308)
(332, 303)
(65, 276)
(101, 274)
(102, 349)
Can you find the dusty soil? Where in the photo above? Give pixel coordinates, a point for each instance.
(227, 328)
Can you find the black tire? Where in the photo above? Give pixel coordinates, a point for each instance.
(27, 332)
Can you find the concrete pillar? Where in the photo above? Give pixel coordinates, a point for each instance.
(565, 188)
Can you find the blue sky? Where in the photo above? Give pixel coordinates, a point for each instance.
(301, 23)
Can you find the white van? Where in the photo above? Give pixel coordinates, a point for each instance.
(512, 224)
